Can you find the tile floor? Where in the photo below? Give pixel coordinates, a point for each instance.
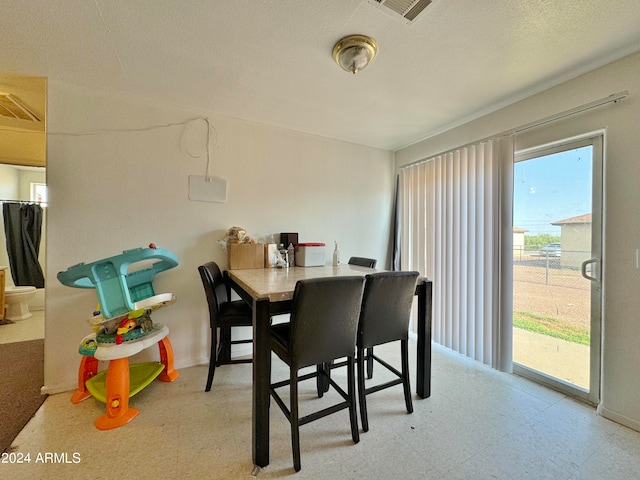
(477, 424)
(22, 330)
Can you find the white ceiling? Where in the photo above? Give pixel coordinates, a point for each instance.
(270, 61)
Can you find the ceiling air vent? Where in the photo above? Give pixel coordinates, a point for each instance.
(408, 10)
(12, 107)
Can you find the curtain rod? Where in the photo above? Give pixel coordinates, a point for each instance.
(587, 106)
(614, 98)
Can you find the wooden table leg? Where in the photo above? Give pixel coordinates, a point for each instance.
(423, 368)
(261, 380)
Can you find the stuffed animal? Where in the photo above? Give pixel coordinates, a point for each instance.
(236, 235)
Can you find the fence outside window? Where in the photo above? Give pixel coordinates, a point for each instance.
(561, 268)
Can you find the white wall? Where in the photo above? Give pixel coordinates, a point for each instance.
(121, 190)
(621, 328)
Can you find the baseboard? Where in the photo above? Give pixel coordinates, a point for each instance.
(52, 390)
(618, 418)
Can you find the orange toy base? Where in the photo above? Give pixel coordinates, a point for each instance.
(105, 422)
(80, 395)
(168, 377)
(169, 374)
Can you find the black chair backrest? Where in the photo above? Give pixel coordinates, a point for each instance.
(363, 262)
(386, 307)
(324, 319)
(214, 288)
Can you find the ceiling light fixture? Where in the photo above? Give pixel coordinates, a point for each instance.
(354, 52)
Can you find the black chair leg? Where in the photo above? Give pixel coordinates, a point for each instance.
(370, 363)
(224, 355)
(319, 386)
(322, 384)
(295, 427)
(353, 416)
(361, 390)
(404, 346)
(322, 381)
(327, 375)
(213, 355)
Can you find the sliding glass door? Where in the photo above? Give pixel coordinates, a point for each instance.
(557, 218)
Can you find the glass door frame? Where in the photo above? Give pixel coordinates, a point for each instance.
(596, 140)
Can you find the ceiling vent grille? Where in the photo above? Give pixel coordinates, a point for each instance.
(12, 107)
(407, 9)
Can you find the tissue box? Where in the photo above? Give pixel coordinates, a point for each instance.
(270, 255)
(245, 255)
(310, 254)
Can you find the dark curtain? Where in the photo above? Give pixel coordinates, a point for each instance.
(396, 265)
(23, 229)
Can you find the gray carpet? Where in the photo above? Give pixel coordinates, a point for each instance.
(21, 377)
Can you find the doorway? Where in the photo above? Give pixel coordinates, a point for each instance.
(557, 217)
(23, 141)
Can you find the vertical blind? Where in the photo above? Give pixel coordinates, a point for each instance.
(456, 229)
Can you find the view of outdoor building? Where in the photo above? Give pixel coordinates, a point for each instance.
(552, 239)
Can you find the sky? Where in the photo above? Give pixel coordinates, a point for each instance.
(551, 188)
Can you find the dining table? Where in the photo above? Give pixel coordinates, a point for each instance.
(270, 291)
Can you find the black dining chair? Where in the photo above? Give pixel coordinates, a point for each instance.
(363, 262)
(322, 327)
(384, 318)
(223, 314)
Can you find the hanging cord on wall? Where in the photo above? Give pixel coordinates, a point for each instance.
(206, 188)
(125, 130)
(188, 127)
(208, 152)
(104, 131)
(208, 148)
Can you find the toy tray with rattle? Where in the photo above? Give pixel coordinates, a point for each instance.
(122, 280)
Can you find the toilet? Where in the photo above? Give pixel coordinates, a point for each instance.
(17, 302)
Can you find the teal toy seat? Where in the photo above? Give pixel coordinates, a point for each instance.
(117, 285)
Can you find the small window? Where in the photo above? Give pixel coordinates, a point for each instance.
(39, 193)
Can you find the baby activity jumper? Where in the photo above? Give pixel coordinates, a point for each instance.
(122, 327)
